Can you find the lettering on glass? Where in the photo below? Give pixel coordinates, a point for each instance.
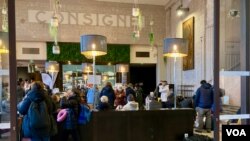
(86, 19)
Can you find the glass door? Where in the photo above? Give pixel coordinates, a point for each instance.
(4, 74)
(8, 128)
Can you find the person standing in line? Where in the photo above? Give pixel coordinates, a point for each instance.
(70, 102)
(203, 104)
(131, 104)
(93, 97)
(109, 92)
(130, 90)
(36, 94)
(28, 83)
(139, 96)
(20, 92)
(104, 104)
(120, 97)
(96, 97)
(164, 90)
(156, 91)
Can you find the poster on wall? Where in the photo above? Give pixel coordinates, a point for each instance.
(188, 33)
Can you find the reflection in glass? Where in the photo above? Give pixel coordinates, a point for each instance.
(230, 35)
(4, 74)
(80, 75)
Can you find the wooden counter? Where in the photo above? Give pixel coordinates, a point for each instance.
(157, 125)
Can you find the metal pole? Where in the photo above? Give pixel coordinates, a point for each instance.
(122, 77)
(244, 60)
(216, 68)
(87, 78)
(12, 69)
(52, 78)
(175, 90)
(93, 70)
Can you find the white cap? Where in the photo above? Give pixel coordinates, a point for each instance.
(104, 99)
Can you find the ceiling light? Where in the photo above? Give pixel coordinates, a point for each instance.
(56, 48)
(87, 67)
(181, 10)
(175, 47)
(234, 13)
(122, 68)
(93, 45)
(31, 67)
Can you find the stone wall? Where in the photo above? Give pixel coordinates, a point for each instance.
(202, 11)
(198, 10)
(112, 20)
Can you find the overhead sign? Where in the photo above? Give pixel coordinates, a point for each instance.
(91, 19)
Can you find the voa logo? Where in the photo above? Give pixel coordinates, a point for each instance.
(236, 132)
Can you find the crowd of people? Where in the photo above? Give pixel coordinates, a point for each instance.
(30, 93)
(122, 98)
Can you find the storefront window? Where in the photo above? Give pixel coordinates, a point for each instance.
(73, 76)
(4, 74)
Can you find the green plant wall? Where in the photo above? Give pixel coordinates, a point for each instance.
(71, 52)
(68, 52)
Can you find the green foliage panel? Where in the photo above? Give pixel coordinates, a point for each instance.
(71, 52)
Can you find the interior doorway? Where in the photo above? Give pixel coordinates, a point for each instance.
(145, 74)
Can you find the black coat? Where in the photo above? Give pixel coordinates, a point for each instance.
(129, 90)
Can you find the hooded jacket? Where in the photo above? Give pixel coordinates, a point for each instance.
(204, 96)
(36, 95)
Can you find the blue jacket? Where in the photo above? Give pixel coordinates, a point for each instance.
(204, 96)
(35, 95)
(109, 92)
(93, 96)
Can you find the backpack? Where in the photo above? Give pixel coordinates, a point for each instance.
(38, 114)
(84, 114)
(71, 120)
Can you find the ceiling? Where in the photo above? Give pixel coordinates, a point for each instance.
(149, 2)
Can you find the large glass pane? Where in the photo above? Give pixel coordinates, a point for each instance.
(230, 35)
(4, 74)
(230, 62)
(73, 76)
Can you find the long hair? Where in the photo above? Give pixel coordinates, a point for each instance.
(37, 85)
